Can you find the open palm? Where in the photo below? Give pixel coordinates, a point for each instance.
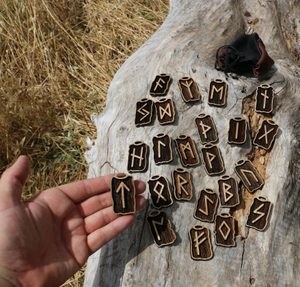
(47, 239)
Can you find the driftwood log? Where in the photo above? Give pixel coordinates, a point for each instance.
(185, 45)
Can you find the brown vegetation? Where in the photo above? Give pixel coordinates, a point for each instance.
(57, 59)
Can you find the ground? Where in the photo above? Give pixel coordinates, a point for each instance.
(57, 59)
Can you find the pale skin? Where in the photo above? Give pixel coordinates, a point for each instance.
(47, 239)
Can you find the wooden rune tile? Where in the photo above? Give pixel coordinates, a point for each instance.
(144, 112)
(161, 228)
(249, 175)
(187, 151)
(207, 205)
(238, 131)
(189, 90)
(264, 99)
(138, 157)
(206, 128)
(217, 95)
(258, 217)
(160, 86)
(200, 243)
(165, 111)
(160, 191)
(266, 135)
(228, 190)
(213, 160)
(225, 230)
(182, 183)
(123, 194)
(162, 149)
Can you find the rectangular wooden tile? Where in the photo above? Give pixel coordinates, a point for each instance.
(200, 243)
(217, 94)
(213, 160)
(225, 230)
(123, 194)
(249, 175)
(207, 205)
(144, 112)
(161, 228)
(266, 134)
(165, 109)
(228, 191)
(182, 184)
(264, 99)
(187, 151)
(160, 191)
(162, 149)
(238, 131)
(189, 90)
(160, 86)
(206, 128)
(138, 157)
(259, 215)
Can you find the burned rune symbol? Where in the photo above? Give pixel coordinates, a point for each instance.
(207, 205)
(161, 228)
(225, 230)
(165, 111)
(182, 182)
(144, 112)
(160, 191)
(160, 85)
(228, 191)
(259, 214)
(189, 90)
(264, 99)
(162, 148)
(138, 157)
(187, 151)
(206, 128)
(266, 134)
(200, 243)
(217, 95)
(123, 194)
(238, 129)
(249, 175)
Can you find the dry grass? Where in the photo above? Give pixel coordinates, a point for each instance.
(57, 59)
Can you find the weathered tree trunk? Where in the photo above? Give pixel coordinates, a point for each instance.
(185, 45)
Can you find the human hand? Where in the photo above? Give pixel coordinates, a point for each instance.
(45, 240)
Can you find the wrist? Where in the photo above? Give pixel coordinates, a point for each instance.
(7, 278)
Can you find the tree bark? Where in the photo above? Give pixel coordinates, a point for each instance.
(185, 45)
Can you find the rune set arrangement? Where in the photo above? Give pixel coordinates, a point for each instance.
(123, 189)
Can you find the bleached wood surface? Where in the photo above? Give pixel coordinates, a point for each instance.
(185, 45)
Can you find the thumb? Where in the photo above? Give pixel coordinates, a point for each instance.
(12, 182)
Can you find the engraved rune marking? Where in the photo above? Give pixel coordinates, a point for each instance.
(205, 210)
(236, 135)
(265, 96)
(210, 157)
(245, 172)
(265, 135)
(205, 128)
(143, 111)
(181, 182)
(260, 214)
(196, 241)
(159, 144)
(219, 91)
(188, 84)
(226, 232)
(134, 156)
(165, 111)
(121, 189)
(184, 147)
(158, 189)
(158, 83)
(154, 222)
(227, 195)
